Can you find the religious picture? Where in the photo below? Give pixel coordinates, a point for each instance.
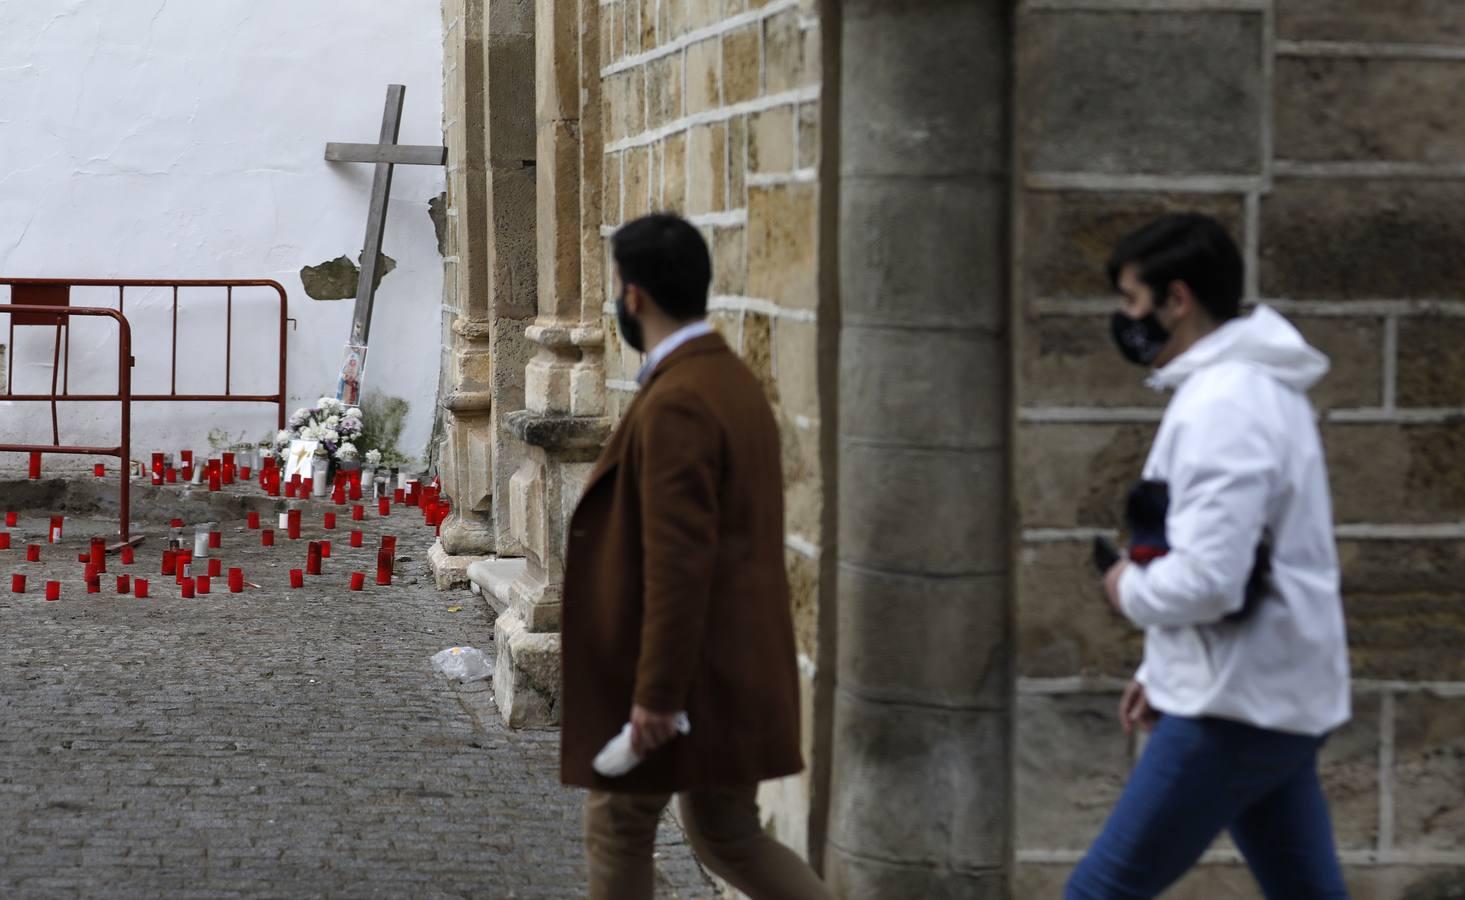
(301, 459)
(353, 369)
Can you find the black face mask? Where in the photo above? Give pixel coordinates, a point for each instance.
(1140, 340)
(630, 328)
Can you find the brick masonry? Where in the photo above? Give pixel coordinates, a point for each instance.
(1312, 129)
(711, 111)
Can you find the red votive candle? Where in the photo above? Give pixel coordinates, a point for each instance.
(358, 513)
(100, 470)
(252, 520)
(338, 497)
(358, 580)
(124, 584)
(216, 567)
(267, 537)
(201, 584)
(216, 539)
(325, 549)
(11, 518)
(4, 540)
(158, 462)
(355, 486)
(89, 572)
(94, 584)
(187, 473)
(384, 566)
(356, 539)
(399, 496)
(53, 590)
(33, 553)
(186, 456)
(17, 584)
(35, 471)
(330, 521)
(170, 562)
(128, 555)
(83, 558)
(185, 587)
(99, 553)
(170, 475)
(292, 524)
(157, 476)
(244, 472)
(183, 567)
(215, 482)
(312, 559)
(227, 472)
(383, 506)
(140, 588)
(236, 580)
(297, 578)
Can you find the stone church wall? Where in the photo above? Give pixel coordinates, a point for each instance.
(1324, 133)
(711, 110)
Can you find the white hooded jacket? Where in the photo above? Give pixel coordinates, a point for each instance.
(1240, 450)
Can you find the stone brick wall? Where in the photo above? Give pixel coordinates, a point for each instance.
(711, 110)
(1323, 133)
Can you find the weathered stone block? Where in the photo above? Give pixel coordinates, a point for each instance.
(702, 13)
(1363, 239)
(1402, 21)
(757, 351)
(1405, 608)
(1064, 625)
(729, 261)
(707, 168)
(740, 64)
(737, 162)
(1431, 370)
(855, 876)
(1204, 882)
(636, 184)
(1405, 882)
(895, 238)
(509, 58)
(1429, 772)
(803, 587)
(1072, 762)
(625, 102)
(1078, 475)
(1089, 109)
(802, 489)
(704, 76)
(787, 63)
(673, 21)
(796, 362)
(1397, 473)
(1067, 237)
(771, 139)
(783, 244)
(888, 375)
(664, 90)
(908, 497)
(610, 189)
(931, 803)
(961, 105)
(647, 24)
(1349, 768)
(526, 677)
(808, 137)
(1330, 108)
(960, 624)
(674, 172)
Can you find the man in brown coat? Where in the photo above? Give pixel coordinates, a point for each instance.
(676, 598)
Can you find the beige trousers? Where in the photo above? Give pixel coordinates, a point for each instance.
(722, 825)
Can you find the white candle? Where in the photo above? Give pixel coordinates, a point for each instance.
(201, 542)
(284, 521)
(320, 482)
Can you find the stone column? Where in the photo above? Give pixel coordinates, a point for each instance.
(921, 782)
(563, 423)
(492, 239)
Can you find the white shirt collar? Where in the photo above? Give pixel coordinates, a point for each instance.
(661, 351)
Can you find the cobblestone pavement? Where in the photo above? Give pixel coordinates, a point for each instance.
(274, 743)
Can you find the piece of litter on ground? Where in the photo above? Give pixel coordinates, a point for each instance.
(462, 663)
(455, 609)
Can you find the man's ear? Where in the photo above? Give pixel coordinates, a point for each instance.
(1180, 298)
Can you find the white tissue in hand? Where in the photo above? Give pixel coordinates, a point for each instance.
(617, 758)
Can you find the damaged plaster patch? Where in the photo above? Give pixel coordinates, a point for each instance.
(383, 418)
(336, 279)
(437, 210)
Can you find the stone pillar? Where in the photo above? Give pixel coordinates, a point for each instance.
(490, 115)
(563, 423)
(920, 783)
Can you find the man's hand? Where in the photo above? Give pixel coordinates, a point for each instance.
(1111, 584)
(1134, 709)
(650, 730)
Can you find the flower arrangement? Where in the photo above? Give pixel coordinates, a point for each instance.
(335, 425)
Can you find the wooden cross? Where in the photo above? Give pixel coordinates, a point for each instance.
(386, 153)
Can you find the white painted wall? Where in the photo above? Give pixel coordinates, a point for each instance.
(163, 138)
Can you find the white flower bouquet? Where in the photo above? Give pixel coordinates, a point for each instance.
(336, 426)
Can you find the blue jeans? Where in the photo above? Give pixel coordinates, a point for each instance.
(1197, 777)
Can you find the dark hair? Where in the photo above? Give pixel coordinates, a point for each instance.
(665, 256)
(1186, 247)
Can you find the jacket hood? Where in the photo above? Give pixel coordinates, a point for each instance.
(1263, 339)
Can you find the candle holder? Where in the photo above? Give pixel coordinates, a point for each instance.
(170, 475)
(356, 538)
(100, 470)
(216, 540)
(267, 537)
(11, 519)
(312, 559)
(216, 567)
(4, 540)
(33, 553)
(53, 591)
(140, 588)
(201, 584)
(94, 584)
(293, 524)
(17, 584)
(325, 549)
(236, 580)
(35, 471)
(201, 541)
(252, 520)
(297, 578)
(124, 584)
(170, 562)
(54, 534)
(185, 588)
(329, 521)
(128, 555)
(358, 580)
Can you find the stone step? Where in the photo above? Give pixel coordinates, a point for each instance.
(493, 577)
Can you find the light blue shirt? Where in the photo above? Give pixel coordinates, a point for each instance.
(661, 351)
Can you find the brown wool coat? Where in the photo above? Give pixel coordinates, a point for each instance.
(675, 591)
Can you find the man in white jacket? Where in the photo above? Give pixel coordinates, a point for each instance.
(1240, 695)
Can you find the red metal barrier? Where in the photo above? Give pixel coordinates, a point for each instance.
(45, 314)
(47, 301)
